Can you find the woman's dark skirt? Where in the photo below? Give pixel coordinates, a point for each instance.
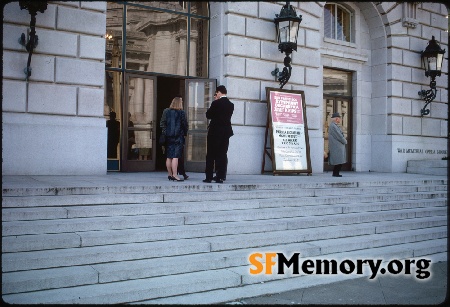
(174, 147)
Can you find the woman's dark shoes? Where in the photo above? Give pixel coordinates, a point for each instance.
(170, 178)
(177, 179)
(207, 180)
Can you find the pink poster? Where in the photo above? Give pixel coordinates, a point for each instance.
(286, 108)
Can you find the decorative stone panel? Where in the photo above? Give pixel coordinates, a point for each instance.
(13, 14)
(242, 8)
(257, 69)
(431, 127)
(52, 99)
(243, 89)
(235, 24)
(14, 63)
(255, 114)
(234, 66)
(395, 124)
(14, 97)
(399, 106)
(262, 29)
(88, 102)
(242, 46)
(92, 47)
(73, 71)
(75, 20)
(412, 126)
(58, 43)
(238, 117)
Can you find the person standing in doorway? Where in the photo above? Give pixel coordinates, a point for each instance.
(113, 135)
(181, 169)
(218, 138)
(175, 127)
(336, 144)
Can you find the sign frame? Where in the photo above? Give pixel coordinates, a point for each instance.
(288, 118)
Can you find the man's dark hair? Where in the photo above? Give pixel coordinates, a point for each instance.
(222, 89)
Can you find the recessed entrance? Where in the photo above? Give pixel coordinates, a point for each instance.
(337, 89)
(155, 51)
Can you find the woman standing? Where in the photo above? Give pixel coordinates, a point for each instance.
(174, 126)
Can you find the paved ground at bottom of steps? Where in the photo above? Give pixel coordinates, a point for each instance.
(385, 290)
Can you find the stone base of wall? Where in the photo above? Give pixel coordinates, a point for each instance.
(428, 167)
(36, 144)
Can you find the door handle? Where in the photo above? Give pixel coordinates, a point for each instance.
(151, 130)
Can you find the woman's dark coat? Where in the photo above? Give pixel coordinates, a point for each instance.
(174, 125)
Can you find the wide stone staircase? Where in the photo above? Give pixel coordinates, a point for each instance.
(189, 244)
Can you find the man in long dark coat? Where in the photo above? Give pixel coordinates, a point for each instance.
(336, 144)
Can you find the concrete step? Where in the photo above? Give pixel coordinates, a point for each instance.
(176, 267)
(376, 240)
(168, 243)
(195, 195)
(135, 269)
(226, 296)
(121, 252)
(107, 237)
(100, 254)
(395, 205)
(109, 188)
(14, 228)
(105, 210)
(131, 290)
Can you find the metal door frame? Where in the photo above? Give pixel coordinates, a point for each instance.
(346, 166)
(198, 166)
(136, 165)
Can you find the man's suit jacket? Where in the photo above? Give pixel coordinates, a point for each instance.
(220, 113)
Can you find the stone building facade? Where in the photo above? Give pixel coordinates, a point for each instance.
(54, 122)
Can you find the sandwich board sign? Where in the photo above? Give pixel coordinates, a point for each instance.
(288, 129)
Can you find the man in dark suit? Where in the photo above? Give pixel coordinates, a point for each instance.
(219, 133)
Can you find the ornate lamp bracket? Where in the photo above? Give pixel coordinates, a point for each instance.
(30, 41)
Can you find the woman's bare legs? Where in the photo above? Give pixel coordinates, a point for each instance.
(174, 168)
(169, 166)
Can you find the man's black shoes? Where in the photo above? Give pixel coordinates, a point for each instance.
(217, 180)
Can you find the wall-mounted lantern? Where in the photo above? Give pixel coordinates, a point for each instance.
(30, 41)
(287, 25)
(432, 59)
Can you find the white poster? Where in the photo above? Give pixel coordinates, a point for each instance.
(290, 145)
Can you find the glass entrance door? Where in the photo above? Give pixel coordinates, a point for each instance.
(139, 120)
(343, 106)
(199, 95)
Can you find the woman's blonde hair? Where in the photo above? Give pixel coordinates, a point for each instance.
(177, 103)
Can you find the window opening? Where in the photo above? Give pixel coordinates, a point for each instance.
(338, 23)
